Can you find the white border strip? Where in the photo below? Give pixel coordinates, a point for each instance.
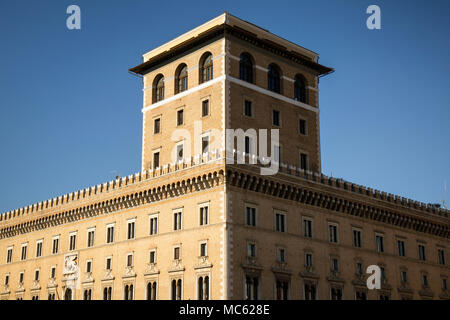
(237, 81)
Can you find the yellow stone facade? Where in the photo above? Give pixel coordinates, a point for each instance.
(299, 245)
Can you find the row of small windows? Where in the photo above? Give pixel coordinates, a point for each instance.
(281, 294)
(182, 76)
(110, 233)
(280, 225)
(274, 77)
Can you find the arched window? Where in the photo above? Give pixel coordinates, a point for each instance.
(151, 291)
(125, 292)
(174, 290)
(200, 288)
(300, 89)
(206, 288)
(105, 293)
(274, 78)
(181, 78)
(246, 68)
(154, 291)
(179, 289)
(109, 293)
(68, 294)
(206, 67)
(158, 88)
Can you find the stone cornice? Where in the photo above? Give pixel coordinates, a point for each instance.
(133, 191)
(320, 191)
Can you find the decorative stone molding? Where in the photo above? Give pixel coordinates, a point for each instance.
(151, 269)
(203, 262)
(129, 273)
(176, 266)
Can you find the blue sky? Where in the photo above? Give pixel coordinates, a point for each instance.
(70, 113)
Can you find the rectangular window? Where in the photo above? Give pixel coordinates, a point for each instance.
(203, 250)
(180, 117)
(24, 252)
(39, 248)
(250, 213)
(204, 215)
(205, 108)
(36, 275)
(157, 126)
(91, 237)
(130, 229)
(177, 220)
(176, 253)
(251, 249)
(302, 126)
(333, 235)
(21, 275)
(130, 260)
(425, 280)
(404, 276)
(248, 108)
(281, 255)
(357, 240)
(401, 248)
(303, 161)
(280, 222)
(308, 260)
(359, 269)
(88, 266)
(153, 256)
(53, 272)
(156, 160)
(422, 253)
(180, 151)
(110, 234)
(72, 241)
(9, 255)
(383, 274)
(444, 284)
(109, 263)
(153, 225)
(379, 242)
(205, 144)
(307, 228)
(276, 119)
(335, 264)
(441, 257)
(247, 144)
(7, 280)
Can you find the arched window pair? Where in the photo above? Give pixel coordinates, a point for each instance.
(107, 293)
(176, 289)
(68, 294)
(128, 292)
(203, 288)
(87, 294)
(151, 291)
(205, 74)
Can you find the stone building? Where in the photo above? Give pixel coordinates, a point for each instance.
(195, 224)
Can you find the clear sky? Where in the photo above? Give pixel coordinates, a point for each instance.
(70, 113)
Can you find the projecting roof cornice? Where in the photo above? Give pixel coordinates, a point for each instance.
(337, 195)
(223, 30)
